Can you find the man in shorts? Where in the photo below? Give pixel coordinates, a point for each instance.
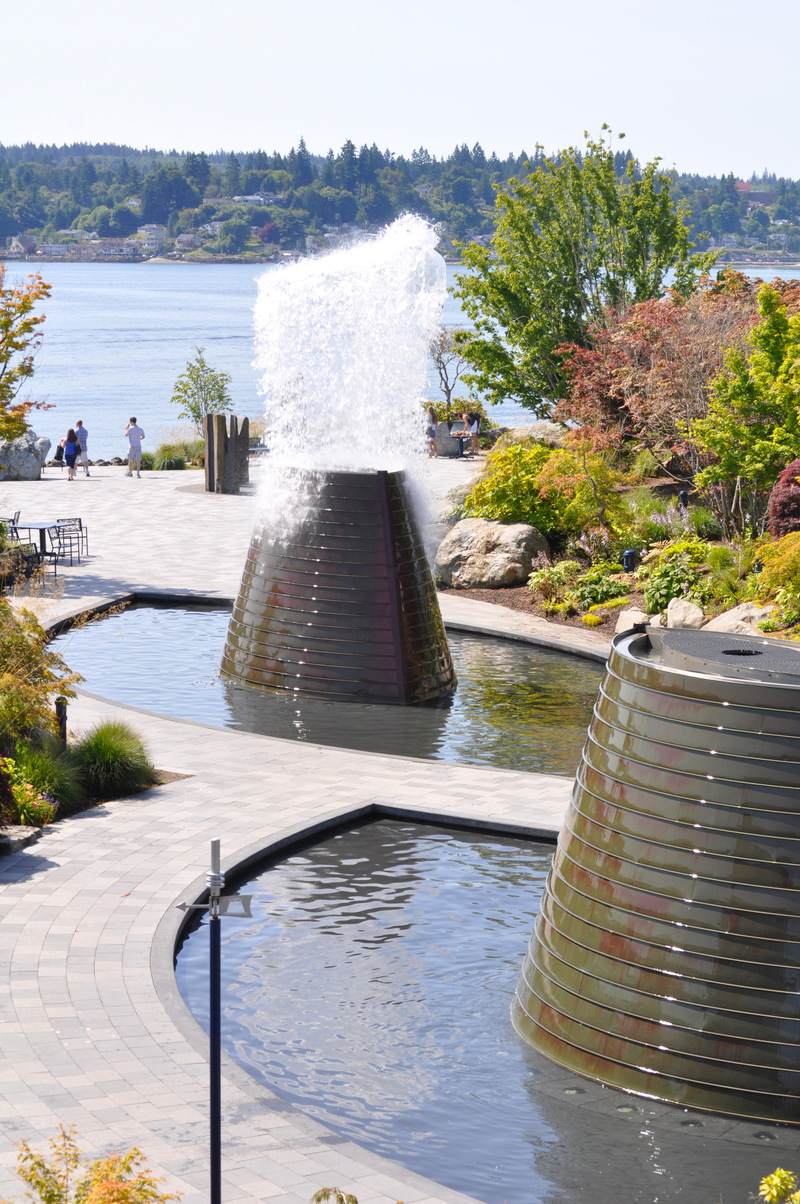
(83, 438)
(135, 435)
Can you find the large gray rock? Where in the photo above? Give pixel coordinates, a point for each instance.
(629, 617)
(479, 554)
(23, 459)
(683, 613)
(740, 620)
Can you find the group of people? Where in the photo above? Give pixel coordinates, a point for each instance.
(468, 434)
(75, 448)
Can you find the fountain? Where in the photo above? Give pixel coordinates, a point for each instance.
(337, 599)
(665, 958)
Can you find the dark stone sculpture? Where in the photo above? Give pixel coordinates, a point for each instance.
(666, 956)
(347, 607)
(227, 450)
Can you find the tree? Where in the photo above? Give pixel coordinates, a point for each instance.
(20, 339)
(752, 427)
(647, 375)
(449, 361)
(200, 391)
(164, 191)
(61, 1177)
(570, 241)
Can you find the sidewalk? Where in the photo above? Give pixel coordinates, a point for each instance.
(93, 1031)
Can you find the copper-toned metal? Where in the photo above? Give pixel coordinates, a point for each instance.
(666, 956)
(346, 608)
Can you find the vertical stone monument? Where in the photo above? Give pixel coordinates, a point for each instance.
(227, 451)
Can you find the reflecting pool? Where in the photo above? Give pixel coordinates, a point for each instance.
(516, 707)
(372, 989)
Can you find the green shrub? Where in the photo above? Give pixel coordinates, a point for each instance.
(169, 456)
(508, 489)
(30, 673)
(591, 620)
(147, 460)
(28, 806)
(597, 586)
(676, 572)
(51, 769)
(112, 761)
(553, 584)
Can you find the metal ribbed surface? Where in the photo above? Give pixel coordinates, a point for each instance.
(666, 956)
(348, 608)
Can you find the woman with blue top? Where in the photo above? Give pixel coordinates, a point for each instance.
(71, 449)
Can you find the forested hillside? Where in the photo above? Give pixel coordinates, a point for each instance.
(257, 203)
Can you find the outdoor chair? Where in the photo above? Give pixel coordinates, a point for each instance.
(65, 542)
(76, 524)
(27, 554)
(9, 521)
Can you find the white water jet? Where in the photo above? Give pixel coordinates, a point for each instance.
(342, 344)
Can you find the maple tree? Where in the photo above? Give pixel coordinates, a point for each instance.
(20, 338)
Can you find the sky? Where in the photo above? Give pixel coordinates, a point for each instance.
(707, 85)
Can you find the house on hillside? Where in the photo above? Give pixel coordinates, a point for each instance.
(22, 244)
(187, 242)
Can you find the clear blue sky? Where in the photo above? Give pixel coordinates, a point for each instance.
(709, 85)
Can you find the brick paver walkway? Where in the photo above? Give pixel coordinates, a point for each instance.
(93, 1030)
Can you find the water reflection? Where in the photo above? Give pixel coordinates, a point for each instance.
(372, 989)
(517, 706)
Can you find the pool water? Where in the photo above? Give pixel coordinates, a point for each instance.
(517, 706)
(372, 988)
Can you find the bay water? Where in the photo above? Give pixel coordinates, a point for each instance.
(117, 335)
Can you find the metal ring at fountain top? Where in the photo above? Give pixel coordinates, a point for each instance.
(666, 956)
(346, 607)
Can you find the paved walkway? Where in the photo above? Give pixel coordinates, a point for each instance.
(93, 1031)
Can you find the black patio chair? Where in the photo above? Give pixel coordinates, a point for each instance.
(76, 524)
(65, 542)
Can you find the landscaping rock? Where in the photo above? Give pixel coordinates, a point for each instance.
(683, 613)
(17, 836)
(740, 620)
(23, 459)
(479, 554)
(551, 434)
(629, 617)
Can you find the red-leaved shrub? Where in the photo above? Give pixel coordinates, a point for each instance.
(783, 513)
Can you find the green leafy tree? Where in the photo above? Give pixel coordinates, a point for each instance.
(165, 190)
(752, 428)
(30, 673)
(20, 337)
(200, 390)
(570, 241)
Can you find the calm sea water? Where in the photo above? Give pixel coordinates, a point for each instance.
(118, 335)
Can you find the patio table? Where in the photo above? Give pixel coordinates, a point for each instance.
(42, 527)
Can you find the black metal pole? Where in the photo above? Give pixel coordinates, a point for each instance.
(214, 1035)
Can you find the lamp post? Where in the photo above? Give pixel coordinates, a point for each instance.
(217, 906)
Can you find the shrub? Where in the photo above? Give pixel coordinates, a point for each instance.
(783, 512)
(30, 673)
(597, 586)
(61, 1178)
(676, 572)
(552, 582)
(167, 457)
(592, 620)
(111, 761)
(778, 1187)
(508, 489)
(147, 460)
(51, 769)
(29, 806)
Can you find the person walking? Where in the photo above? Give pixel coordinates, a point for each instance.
(135, 435)
(71, 446)
(83, 438)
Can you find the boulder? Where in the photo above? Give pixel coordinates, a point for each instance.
(23, 459)
(629, 617)
(740, 620)
(683, 613)
(480, 554)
